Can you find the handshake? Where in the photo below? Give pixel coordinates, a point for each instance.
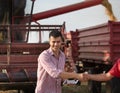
(96, 77)
(83, 77)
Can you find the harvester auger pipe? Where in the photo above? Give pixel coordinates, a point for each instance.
(65, 9)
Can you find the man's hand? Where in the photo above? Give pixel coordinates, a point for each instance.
(86, 76)
(83, 77)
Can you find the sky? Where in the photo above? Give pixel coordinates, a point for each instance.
(78, 19)
(74, 20)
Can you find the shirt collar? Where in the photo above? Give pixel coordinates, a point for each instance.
(51, 52)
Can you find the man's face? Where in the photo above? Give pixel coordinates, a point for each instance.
(55, 43)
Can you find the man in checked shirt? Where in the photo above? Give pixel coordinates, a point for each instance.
(51, 63)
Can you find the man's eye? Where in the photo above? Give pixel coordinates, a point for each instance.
(56, 41)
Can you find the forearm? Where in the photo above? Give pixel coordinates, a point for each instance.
(100, 77)
(67, 75)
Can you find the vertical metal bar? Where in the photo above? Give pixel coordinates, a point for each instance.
(9, 45)
(30, 19)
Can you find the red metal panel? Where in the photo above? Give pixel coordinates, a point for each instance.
(3, 59)
(114, 28)
(23, 59)
(100, 42)
(96, 33)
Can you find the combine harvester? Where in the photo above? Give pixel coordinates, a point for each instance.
(18, 58)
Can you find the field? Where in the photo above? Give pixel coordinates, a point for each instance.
(83, 88)
(80, 89)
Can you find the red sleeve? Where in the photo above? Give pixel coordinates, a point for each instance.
(115, 70)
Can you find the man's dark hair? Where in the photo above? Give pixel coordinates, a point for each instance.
(55, 33)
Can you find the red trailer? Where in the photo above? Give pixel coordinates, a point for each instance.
(96, 48)
(99, 44)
